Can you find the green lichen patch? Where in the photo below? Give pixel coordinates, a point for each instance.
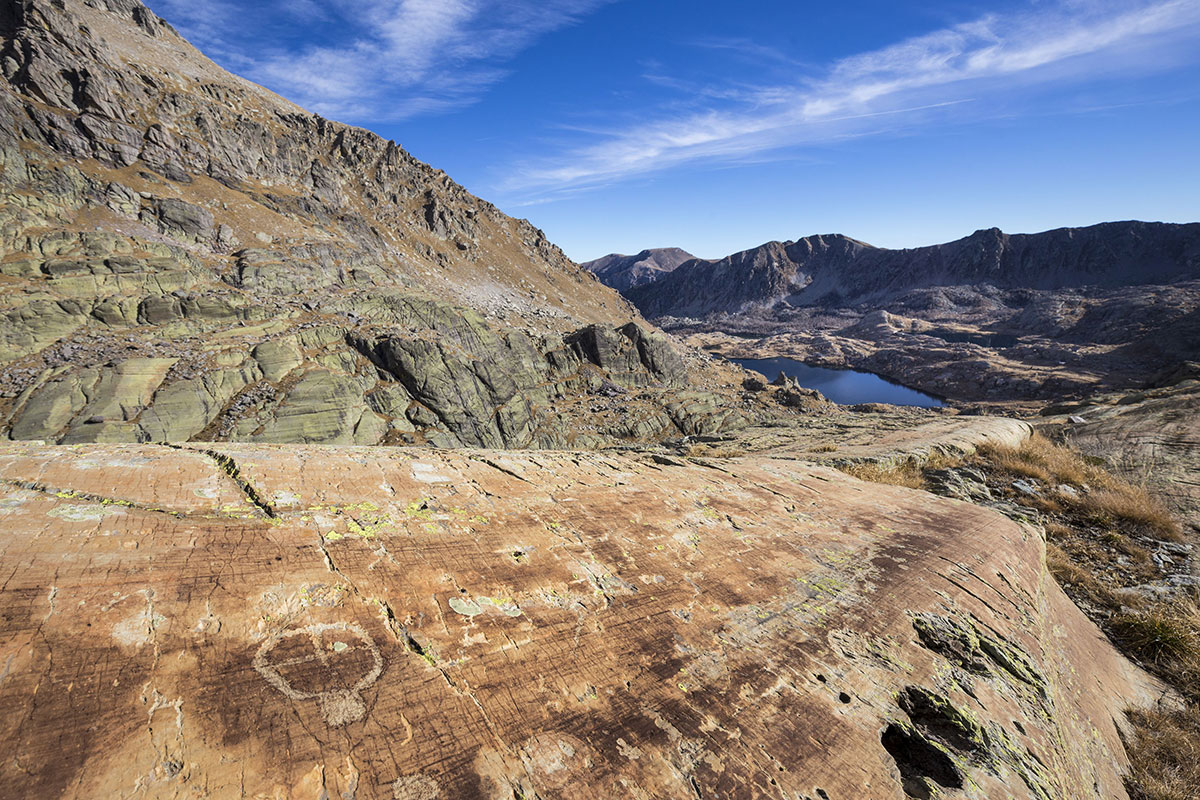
(81, 513)
(465, 606)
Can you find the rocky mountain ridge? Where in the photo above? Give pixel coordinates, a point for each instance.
(623, 272)
(186, 255)
(836, 271)
(990, 318)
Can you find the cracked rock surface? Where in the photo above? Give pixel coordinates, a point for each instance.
(186, 256)
(299, 622)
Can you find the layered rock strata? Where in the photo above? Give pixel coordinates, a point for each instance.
(184, 255)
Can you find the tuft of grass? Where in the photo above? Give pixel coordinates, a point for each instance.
(1102, 498)
(1068, 573)
(1129, 504)
(1164, 634)
(1164, 754)
(909, 473)
(1043, 460)
(1056, 530)
(905, 473)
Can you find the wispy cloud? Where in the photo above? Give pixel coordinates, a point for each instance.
(393, 58)
(900, 86)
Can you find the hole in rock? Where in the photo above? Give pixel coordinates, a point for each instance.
(936, 716)
(919, 759)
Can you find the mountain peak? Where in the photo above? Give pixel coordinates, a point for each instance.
(623, 272)
(834, 269)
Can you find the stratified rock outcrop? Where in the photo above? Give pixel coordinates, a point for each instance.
(306, 622)
(623, 272)
(188, 256)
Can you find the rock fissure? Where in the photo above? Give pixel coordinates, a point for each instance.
(230, 467)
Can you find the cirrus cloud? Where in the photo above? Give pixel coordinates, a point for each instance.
(912, 82)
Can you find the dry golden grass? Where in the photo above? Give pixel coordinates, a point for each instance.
(1164, 751)
(824, 448)
(1056, 530)
(1127, 504)
(905, 473)
(1043, 460)
(1107, 500)
(1165, 634)
(909, 473)
(1165, 755)
(1070, 574)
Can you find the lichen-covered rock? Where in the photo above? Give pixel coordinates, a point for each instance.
(158, 209)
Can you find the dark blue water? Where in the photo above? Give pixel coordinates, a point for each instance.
(841, 385)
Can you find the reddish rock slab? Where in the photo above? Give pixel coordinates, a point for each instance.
(367, 623)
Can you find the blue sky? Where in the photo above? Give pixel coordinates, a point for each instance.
(616, 125)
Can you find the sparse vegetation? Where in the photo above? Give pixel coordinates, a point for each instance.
(1095, 494)
(1161, 634)
(910, 472)
(1133, 505)
(1043, 460)
(1075, 578)
(1165, 755)
(904, 473)
(1101, 531)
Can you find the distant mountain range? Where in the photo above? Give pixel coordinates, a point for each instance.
(623, 272)
(837, 271)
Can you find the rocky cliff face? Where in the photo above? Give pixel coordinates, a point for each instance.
(188, 256)
(836, 271)
(384, 624)
(623, 272)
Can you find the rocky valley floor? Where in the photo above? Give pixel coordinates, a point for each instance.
(1063, 345)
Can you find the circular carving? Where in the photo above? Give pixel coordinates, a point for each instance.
(340, 705)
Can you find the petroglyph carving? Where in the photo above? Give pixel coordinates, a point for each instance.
(332, 663)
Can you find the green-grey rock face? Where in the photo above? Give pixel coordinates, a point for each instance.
(186, 256)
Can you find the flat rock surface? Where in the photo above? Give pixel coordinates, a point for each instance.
(1152, 436)
(879, 437)
(306, 622)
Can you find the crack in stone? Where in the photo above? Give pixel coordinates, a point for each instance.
(492, 463)
(89, 497)
(230, 467)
